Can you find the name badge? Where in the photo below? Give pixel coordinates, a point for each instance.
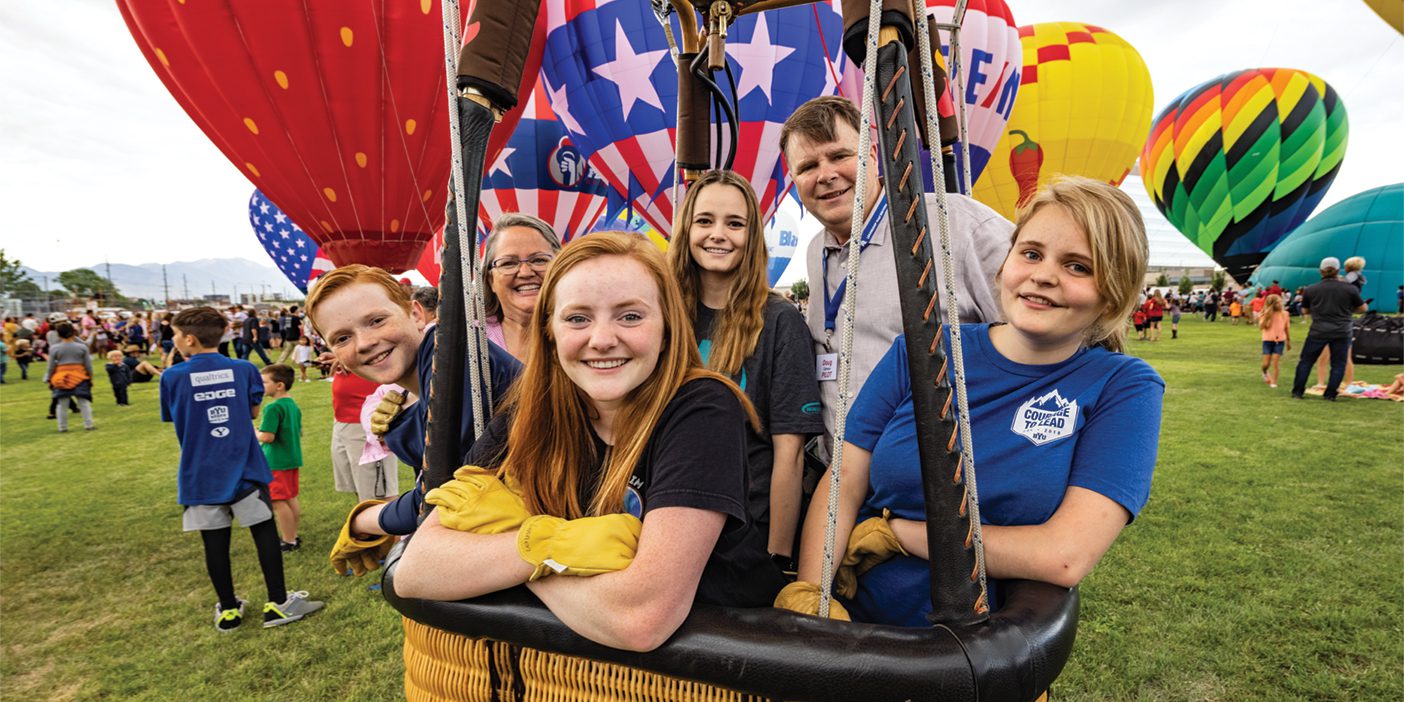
(826, 366)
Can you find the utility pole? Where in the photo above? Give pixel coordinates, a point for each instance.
(165, 285)
(185, 280)
(110, 287)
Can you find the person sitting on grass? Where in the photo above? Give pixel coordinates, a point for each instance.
(119, 375)
(280, 432)
(213, 400)
(615, 486)
(366, 317)
(142, 370)
(1064, 424)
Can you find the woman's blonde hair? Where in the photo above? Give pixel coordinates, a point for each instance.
(738, 324)
(1355, 264)
(1272, 304)
(549, 443)
(1116, 236)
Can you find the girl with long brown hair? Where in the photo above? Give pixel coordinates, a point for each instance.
(618, 456)
(749, 333)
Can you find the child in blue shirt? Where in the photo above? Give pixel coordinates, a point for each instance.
(119, 375)
(1064, 425)
(223, 475)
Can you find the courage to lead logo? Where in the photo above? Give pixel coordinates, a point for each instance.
(1045, 418)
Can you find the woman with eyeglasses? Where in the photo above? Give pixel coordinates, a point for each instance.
(518, 251)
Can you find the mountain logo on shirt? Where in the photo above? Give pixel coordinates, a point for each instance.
(1045, 419)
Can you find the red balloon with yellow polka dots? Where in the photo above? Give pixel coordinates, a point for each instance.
(337, 111)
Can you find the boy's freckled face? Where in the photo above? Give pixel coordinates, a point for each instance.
(369, 334)
(270, 387)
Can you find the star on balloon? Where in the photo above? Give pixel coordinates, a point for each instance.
(760, 54)
(631, 72)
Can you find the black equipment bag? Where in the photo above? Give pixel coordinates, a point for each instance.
(1378, 339)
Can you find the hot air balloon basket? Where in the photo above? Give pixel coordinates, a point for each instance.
(442, 666)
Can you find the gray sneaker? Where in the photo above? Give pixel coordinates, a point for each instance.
(296, 607)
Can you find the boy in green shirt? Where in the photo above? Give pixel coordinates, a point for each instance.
(280, 432)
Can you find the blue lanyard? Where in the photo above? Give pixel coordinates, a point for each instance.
(832, 303)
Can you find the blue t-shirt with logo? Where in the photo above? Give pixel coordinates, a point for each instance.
(210, 398)
(1092, 421)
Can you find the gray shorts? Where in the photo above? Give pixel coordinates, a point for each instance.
(253, 509)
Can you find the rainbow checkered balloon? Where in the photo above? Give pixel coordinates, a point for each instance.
(1240, 161)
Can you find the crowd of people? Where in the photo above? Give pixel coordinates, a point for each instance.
(655, 418)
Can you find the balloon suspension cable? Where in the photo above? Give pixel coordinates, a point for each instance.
(957, 20)
(967, 451)
(826, 578)
(472, 285)
(662, 9)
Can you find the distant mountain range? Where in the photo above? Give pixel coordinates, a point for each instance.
(221, 276)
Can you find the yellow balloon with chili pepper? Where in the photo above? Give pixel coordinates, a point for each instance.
(1084, 108)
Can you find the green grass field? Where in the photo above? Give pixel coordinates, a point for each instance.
(1269, 563)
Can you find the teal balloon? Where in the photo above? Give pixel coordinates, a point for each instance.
(1369, 224)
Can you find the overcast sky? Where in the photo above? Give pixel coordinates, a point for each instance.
(101, 163)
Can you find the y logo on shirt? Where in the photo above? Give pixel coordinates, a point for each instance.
(1045, 419)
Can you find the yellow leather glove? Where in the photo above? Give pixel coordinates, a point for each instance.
(584, 547)
(357, 555)
(385, 412)
(475, 500)
(871, 543)
(803, 597)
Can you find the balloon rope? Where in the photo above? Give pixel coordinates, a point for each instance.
(855, 235)
(967, 450)
(819, 29)
(477, 341)
(958, 19)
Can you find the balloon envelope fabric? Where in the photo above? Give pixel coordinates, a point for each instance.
(1239, 161)
(611, 81)
(1084, 107)
(337, 110)
(1367, 224)
(292, 251)
(541, 173)
(991, 57)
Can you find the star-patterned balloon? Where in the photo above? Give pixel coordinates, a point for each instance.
(292, 251)
(611, 80)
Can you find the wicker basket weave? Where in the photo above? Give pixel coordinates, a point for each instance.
(441, 666)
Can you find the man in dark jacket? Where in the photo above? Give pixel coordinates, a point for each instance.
(1330, 304)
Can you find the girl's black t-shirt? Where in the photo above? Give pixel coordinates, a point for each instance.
(695, 458)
